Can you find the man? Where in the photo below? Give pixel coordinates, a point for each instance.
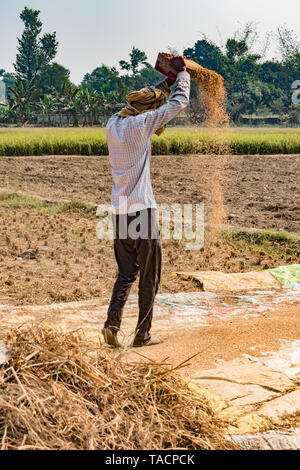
(129, 141)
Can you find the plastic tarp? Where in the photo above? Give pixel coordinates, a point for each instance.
(285, 360)
(216, 281)
(288, 276)
(270, 440)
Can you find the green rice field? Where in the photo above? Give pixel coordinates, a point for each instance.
(174, 141)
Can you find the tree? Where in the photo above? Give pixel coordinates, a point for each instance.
(105, 79)
(294, 114)
(53, 77)
(3, 113)
(208, 55)
(7, 113)
(137, 58)
(89, 105)
(147, 76)
(21, 100)
(289, 44)
(47, 106)
(253, 84)
(235, 49)
(34, 52)
(64, 100)
(75, 106)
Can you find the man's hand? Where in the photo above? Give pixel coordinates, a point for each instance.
(178, 64)
(170, 81)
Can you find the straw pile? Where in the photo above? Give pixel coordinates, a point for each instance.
(58, 393)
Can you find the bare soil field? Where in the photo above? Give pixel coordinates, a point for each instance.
(260, 191)
(49, 252)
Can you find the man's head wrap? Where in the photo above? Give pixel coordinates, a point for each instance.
(146, 99)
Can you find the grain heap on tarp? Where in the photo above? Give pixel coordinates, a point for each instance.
(57, 392)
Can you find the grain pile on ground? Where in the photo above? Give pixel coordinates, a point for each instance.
(59, 393)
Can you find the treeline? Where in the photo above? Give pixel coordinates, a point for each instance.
(40, 91)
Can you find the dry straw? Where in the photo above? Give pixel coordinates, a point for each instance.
(58, 393)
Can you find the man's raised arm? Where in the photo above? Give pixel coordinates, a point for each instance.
(157, 118)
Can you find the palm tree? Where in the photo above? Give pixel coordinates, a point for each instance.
(46, 105)
(20, 101)
(114, 102)
(59, 106)
(64, 101)
(75, 107)
(4, 112)
(69, 93)
(90, 104)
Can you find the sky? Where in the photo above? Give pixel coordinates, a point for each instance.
(96, 32)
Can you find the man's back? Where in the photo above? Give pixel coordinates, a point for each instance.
(137, 244)
(129, 144)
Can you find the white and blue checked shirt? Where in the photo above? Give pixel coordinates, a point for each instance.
(129, 145)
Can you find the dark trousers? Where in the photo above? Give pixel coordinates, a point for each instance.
(137, 251)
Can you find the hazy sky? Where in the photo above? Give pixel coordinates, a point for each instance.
(92, 32)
